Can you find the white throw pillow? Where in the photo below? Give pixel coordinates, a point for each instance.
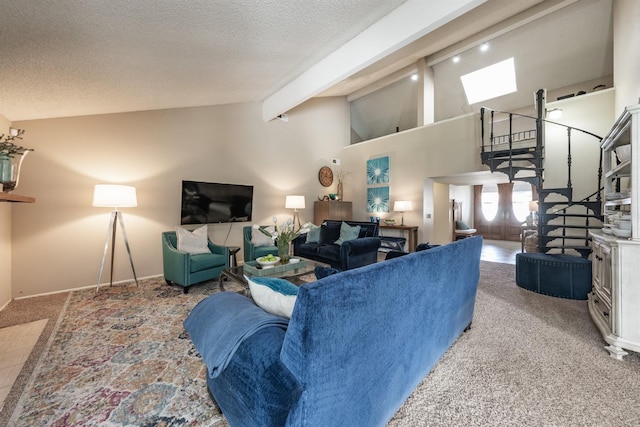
(274, 295)
(258, 238)
(193, 242)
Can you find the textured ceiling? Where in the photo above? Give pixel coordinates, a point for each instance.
(64, 58)
(67, 58)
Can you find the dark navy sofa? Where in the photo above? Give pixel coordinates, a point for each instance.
(350, 254)
(357, 344)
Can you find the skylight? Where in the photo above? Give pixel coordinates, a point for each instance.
(490, 82)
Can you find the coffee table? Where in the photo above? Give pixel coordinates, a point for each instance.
(237, 274)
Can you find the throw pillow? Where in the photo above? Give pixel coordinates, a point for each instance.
(258, 238)
(347, 232)
(461, 225)
(193, 242)
(322, 272)
(276, 296)
(313, 235)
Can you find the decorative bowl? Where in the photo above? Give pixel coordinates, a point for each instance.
(623, 224)
(263, 261)
(624, 153)
(622, 233)
(389, 221)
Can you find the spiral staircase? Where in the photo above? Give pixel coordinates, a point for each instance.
(563, 223)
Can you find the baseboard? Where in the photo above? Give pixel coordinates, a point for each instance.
(80, 288)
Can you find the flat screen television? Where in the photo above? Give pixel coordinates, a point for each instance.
(209, 202)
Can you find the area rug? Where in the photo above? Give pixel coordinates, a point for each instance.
(121, 357)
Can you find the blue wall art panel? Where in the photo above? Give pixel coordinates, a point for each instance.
(378, 170)
(378, 199)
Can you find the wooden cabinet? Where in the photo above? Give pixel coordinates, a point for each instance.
(331, 210)
(614, 302)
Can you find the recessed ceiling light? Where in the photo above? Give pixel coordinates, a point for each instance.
(455, 59)
(484, 47)
(490, 82)
(414, 77)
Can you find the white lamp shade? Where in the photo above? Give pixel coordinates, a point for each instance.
(402, 206)
(114, 196)
(533, 206)
(554, 114)
(294, 202)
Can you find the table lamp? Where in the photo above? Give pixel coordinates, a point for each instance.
(295, 203)
(115, 196)
(402, 206)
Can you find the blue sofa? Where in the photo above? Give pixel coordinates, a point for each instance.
(357, 344)
(350, 254)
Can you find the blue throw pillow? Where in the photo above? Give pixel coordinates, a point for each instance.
(461, 225)
(274, 295)
(347, 232)
(313, 235)
(322, 272)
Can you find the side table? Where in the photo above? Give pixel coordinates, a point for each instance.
(412, 230)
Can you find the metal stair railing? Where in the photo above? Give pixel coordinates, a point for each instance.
(490, 154)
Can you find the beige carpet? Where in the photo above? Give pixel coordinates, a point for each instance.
(16, 344)
(528, 360)
(23, 311)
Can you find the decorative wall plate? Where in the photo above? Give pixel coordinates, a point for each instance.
(325, 176)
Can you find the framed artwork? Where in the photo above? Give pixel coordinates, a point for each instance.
(378, 199)
(378, 170)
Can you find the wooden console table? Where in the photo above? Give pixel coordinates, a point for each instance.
(412, 230)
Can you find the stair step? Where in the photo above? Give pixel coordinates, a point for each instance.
(546, 217)
(544, 192)
(507, 152)
(584, 251)
(574, 227)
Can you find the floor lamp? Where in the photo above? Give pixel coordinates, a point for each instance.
(115, 196)
(295, 203)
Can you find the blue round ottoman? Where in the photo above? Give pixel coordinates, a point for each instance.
(556, 275)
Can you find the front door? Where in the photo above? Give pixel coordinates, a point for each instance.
(500, 210)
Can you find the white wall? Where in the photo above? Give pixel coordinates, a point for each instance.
(591, 112)
(5, 237)
(445, 148)
(451, 148)
(58, 241)
(626, 55)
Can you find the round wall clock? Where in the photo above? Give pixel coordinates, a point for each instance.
(325, 176)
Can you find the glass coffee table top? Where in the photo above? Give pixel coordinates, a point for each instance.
(237, 274)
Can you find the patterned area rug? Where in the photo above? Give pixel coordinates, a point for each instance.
(121, 357)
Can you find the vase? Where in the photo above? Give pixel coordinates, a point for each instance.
(340, 191)
(283, 250)
(10, 171)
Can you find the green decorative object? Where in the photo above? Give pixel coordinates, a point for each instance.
(283, 236)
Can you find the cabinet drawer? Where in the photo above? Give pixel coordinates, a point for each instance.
(603, 308)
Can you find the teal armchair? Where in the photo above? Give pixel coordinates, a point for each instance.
(184, 269)
(251, 252)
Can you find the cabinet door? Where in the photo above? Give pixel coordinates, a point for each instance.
(602, 270)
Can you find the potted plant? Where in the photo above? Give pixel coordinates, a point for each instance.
(11, 157)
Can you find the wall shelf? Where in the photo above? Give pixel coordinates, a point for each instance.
(16, 198)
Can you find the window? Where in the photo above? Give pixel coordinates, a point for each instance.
(490, 82)
(490, 200)
(520, 197)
